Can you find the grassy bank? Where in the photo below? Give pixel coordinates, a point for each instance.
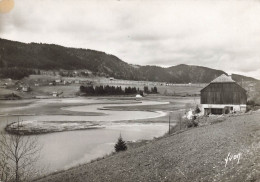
(197, 154)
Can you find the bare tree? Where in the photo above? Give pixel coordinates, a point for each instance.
(18, 156)
(4, 168)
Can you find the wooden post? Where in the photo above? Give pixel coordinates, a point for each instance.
(180, 121)
(169, 123)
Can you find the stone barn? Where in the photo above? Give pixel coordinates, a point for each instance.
(222, 96)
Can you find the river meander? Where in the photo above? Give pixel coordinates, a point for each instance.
(62, 150)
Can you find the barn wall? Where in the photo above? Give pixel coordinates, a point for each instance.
(236, 108)
(223, 93)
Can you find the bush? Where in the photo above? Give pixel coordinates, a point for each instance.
(120, 145)
(250, 103)
(249, 108)
(12, 96)
(197, 109)
(192, 122)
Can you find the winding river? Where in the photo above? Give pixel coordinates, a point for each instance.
(66, 149)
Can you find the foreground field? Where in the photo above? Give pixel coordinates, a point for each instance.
(207, 153)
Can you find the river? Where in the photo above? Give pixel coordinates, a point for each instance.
(63, 150)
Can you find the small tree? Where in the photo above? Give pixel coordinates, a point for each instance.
(197, 109)
(141, 93)
(146, 89)
(250, 103)
(120, 145)
(155, 90)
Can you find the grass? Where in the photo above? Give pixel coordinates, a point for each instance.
(192, 155)
(71, 90)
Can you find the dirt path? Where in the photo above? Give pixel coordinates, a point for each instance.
(195, 155)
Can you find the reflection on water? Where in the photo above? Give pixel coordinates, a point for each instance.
(67, 149)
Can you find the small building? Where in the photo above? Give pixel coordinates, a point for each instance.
(138, 96)
(26, 88)
(222, 96)
(58, 81)
(55, 94)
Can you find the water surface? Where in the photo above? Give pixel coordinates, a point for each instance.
(66, 149)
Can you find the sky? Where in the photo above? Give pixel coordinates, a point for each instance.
(220, 34)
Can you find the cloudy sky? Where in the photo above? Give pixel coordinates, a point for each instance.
(218, 34)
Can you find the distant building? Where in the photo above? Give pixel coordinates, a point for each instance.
(55, 94)
(138, 96)
(58, 81)
(26, 89)
(223, 95)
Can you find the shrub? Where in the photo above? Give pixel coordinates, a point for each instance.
(250, 103)
(249, 108)
(120, 145)
(197, 109)
(192, 122)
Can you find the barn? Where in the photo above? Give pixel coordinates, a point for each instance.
(222, 96)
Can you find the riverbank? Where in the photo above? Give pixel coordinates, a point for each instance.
(41, 127)
(208, 153)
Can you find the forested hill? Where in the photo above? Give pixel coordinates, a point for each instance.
(27, 57)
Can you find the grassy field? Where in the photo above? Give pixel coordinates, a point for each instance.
(208, 153)
(39, 85)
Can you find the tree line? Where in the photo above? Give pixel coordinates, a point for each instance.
(112, 90)
(16, 73)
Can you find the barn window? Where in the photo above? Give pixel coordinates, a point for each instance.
(216, 111)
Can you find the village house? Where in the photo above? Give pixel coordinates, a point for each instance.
(58, 81)
(222, 96)
(26, 88)
(55, 94)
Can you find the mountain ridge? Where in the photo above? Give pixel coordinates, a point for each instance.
(14, 54)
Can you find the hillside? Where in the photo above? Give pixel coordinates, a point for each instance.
(33, 56)
(197, 154)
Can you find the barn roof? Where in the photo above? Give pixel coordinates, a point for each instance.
(223, 79)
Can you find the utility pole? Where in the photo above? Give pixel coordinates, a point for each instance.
(180, 121)
(169, 123)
